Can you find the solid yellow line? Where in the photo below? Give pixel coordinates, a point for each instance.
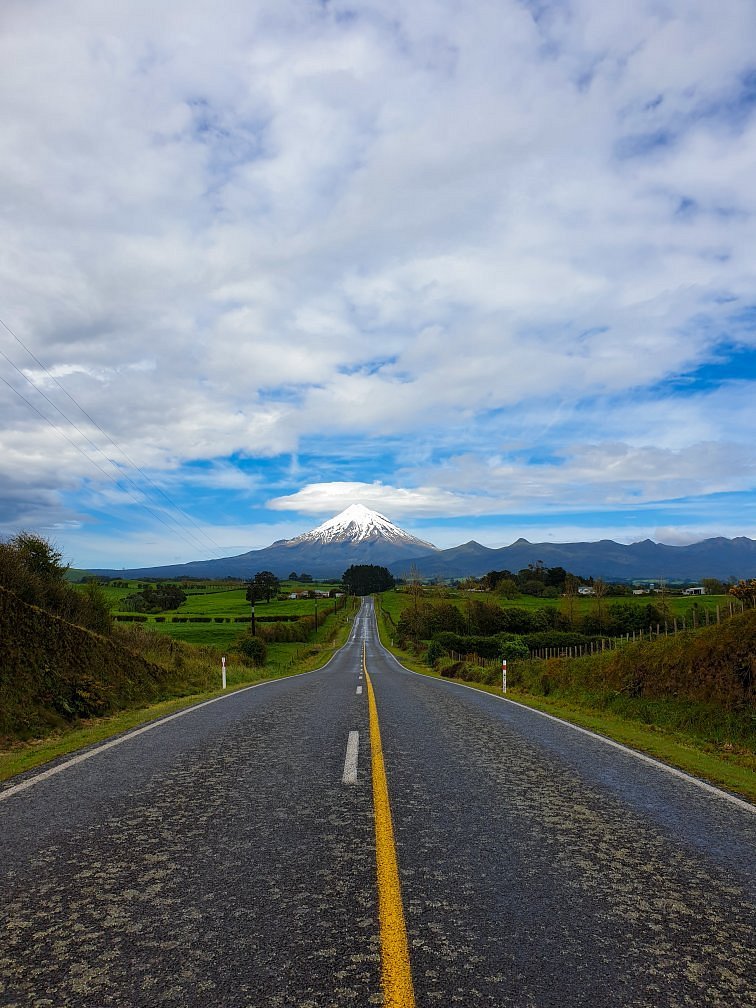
(396, 975)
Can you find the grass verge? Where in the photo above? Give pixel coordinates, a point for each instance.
(734, 772)
(285, 660)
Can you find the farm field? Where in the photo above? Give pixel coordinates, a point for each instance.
(395, 601)
(222, 599)
(223, 604)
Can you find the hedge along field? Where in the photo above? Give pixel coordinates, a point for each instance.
(700, 682)
(293, 625)
(395, 601)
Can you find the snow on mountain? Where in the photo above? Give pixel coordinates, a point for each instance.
(358, 524)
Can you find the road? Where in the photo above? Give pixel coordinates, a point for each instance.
(220, 859)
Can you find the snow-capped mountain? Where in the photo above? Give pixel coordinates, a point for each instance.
(356, 536)
(361, 536)
(358, 524)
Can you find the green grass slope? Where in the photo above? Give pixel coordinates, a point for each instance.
(52, 672)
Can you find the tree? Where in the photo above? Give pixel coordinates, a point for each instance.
(264, 585)
(252, 648)
(364, 579)
(292, 576)
(492, 580)
(745, 591)
(713, 586)
(554, 577)
(571, 585)
(599, 602)
(32, 569)
(39, 556)
(507, 588)
(414, 587)
(154, 599)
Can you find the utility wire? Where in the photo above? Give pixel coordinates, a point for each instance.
(105, 434)
(125, 476)
(104, 472)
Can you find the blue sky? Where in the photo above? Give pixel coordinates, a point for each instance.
(486, 268)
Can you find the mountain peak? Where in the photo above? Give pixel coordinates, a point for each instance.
(357, 524)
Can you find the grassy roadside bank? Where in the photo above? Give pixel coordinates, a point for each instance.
(284, 661)
(735, 772)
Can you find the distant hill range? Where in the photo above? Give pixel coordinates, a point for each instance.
(361, 536)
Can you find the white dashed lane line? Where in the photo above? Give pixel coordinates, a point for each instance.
(350, 760)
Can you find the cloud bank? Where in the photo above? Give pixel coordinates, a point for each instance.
(472, 260)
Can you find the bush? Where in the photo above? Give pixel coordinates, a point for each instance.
(435, 652)
(514, 649)
(252, 648)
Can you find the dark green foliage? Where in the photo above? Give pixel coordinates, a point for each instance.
(154, 600)
(252, 648)
(484, 647)
(624, 617)
(492, 580)
(514, 648)
(264, 585)
(557, 639)
(422, 621)
(365, 579)
(488, 618)
(435, 652)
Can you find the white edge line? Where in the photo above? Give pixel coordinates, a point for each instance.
(350, 760)
(96, 750)
(740, 802)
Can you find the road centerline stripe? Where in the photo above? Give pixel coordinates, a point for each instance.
(396, 974)
(350, 760)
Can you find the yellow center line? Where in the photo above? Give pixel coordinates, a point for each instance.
(396, 975)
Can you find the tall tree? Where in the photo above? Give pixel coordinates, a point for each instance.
(264, 585)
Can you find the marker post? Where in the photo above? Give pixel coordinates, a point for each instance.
(504, 675)
(223, 671)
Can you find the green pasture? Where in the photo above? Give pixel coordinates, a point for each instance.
(222, 599)
(395, 601)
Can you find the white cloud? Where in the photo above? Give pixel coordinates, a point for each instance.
(232, 231)
(326, 498)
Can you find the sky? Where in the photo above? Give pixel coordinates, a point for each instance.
(485, 267)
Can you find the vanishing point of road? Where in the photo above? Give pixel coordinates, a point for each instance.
(362, 835)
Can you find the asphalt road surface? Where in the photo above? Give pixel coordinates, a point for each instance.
(227, 857)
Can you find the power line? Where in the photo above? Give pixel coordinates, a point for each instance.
(105, 434)
(108, 475)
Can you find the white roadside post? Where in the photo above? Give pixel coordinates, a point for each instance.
(504, 675)
(223, 671)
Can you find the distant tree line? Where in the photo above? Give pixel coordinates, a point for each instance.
(365, 579)
(153, 599)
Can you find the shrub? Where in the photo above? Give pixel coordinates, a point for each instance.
(252, 648)
(435, 651)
